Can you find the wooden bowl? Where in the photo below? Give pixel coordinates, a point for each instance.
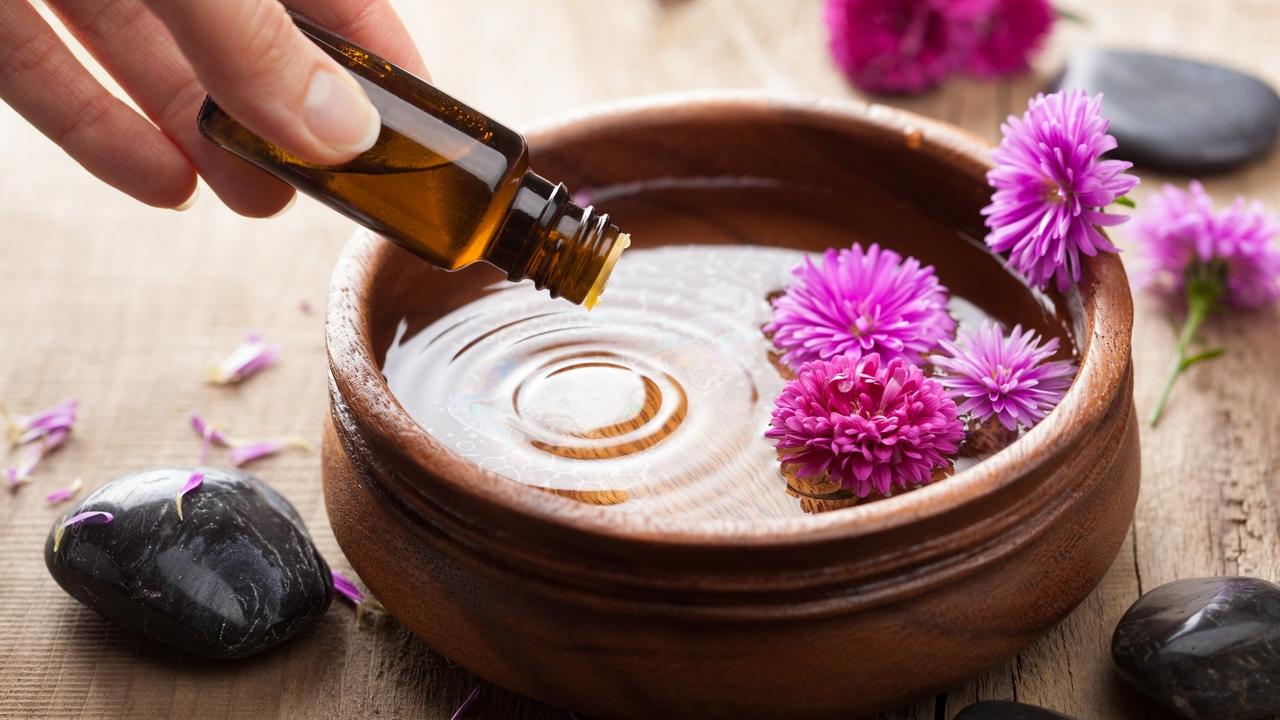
(835, 614)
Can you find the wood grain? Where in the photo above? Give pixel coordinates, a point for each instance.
(124, 306)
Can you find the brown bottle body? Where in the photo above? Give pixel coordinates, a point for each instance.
(442, 180)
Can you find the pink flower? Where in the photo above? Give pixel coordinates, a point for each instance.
(1182, 236)
(1010, 33)
(1008, 377)
(871, 424)
(1210, 259)
(1052, 185)
(902, 46)
(859, 302)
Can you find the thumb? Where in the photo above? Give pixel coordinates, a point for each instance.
(261, 69)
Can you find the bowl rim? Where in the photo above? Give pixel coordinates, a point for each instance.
(1100, 307)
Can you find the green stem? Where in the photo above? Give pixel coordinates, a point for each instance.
(1201, 297)
(1070, 16)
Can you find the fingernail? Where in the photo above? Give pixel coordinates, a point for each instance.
(293, 199)
(339, 114)
(190, 201)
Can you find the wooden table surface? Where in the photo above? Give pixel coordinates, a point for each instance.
(124, 306)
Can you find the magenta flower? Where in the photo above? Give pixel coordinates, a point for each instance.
(902, 46)
(1052, 185)
(870, 424)
(1009, 34)
(250, 357)
(1008, 377)
(1182, 237)
(860, 302)
(1211, 258)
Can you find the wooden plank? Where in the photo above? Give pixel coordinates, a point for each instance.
(123, 306)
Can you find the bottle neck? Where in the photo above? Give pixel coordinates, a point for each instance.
(561, 246)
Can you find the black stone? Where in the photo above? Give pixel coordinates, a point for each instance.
(236, 576)
(1207, 648)
(1003, 710)
(1168, 113)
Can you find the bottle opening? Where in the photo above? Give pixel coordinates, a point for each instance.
(597, 288)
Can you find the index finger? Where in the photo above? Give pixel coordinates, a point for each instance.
(373, 24)
(263, 71)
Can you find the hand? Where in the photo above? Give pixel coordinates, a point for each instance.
(167, 54)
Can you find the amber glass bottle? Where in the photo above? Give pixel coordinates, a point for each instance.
(445, 182)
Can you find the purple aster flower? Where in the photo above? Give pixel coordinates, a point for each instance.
(869, 423)
(1010, 32)
(1051, 186)
(902, 46)
(858, 302)
(1008, 377)
(1182, 236)
(1211, 258)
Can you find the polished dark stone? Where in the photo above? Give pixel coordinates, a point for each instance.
(1003, 710)
(1207, 648)
(238, 575)
(1173, 114)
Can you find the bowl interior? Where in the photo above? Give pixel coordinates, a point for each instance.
(724, 175)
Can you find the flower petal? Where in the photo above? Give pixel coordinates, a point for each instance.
(92, 517)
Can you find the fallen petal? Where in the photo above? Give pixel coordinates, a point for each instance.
(193, 482)
(18, 475)
(30, 428)
(346, 588)
(249, 451)
(462, 709)
(62, 495)
(250, 357)
(209, 435)
(92, 517)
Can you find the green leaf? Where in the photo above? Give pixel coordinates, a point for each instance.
(1070, 16)
(1126, 201)
(1201, 357)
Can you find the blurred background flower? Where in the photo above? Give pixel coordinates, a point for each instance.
(909, 46)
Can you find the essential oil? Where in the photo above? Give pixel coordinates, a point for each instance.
(443, 181)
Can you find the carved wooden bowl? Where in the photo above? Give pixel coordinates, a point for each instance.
(833, 614)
